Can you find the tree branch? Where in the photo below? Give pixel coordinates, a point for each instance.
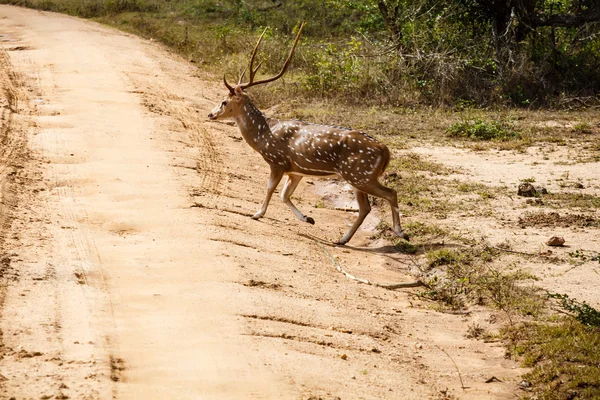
(565, 20)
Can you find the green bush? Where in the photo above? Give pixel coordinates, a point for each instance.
(478, 129)
(582, 127)
(564, 358)
(582, 312)
(415, 53)
(442, 257)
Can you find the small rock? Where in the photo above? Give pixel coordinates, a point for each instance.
(344, 357)
(541, 190)
(526, 190)
(556, 241)
(525, 384)
(578, 185)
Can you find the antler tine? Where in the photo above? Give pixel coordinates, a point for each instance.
(252, 71)
(242, 76)
(283, 69)
(227, 85)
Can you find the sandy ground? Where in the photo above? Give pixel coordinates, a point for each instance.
(555, 169)
(130, 268)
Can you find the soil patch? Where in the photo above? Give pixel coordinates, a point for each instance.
(554, 219)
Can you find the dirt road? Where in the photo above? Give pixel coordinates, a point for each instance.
(131, 268)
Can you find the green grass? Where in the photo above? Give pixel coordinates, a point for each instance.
(564, 357)
(468, 187)
(581, 311)
(416, 162)
(569, 200)
(441, 257)
(423, 230)
(582, 127)
(563, 352)
(466, 276)
(402, 246)
(478, 129)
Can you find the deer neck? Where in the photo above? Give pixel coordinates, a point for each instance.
(253, 126)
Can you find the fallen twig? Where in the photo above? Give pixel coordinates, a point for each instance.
(390, 286)
(462, 385)
(516, 251)
(347, 209)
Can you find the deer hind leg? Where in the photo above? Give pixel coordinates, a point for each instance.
(274, 179)
(364, 208)
(377, 189)
(288, 189)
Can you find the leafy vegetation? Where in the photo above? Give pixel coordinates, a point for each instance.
(562, 352)
(481, 130)
(402, 246)
(460, 277)
(385, 52)
(581, 311)
(582, 127)
(563, 356)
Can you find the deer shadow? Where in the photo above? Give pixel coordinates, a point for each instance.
(385, 250)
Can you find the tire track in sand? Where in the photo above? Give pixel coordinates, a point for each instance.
(117, 230)
(49, 339)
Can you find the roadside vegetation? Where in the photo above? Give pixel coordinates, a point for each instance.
(478, 74)
(556, 336)
(397, 53)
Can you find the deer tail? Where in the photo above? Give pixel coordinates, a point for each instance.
(385, 154)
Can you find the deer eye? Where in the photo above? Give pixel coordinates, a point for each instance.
(224, 103)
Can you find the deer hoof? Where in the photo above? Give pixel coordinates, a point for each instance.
(310, 220)
(403, 235)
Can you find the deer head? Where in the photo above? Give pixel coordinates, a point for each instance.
(232, 105)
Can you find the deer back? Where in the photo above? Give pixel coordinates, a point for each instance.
(313, 149)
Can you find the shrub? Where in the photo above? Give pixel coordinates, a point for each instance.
(581, 311)
(478, 129)
(582, 127)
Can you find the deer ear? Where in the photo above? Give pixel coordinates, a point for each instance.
(238, 91)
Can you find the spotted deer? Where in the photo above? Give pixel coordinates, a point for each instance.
(298, 149)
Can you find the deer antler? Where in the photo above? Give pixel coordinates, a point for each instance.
(253, 70)
(227, 85)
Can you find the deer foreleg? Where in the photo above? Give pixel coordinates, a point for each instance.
(288, 189)
(274, 179)
(364, 208)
